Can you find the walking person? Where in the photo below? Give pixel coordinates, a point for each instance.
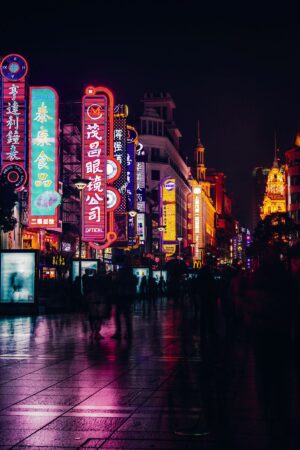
(98, 307)
(125, 293)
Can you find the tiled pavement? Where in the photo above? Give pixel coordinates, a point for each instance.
(61, 389)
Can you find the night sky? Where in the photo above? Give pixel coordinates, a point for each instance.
(237, 71)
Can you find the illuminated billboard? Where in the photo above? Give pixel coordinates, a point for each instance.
(88, 267)
(197, 223)
(43, 158)
(140, 179)
(17, 276)
(140, 225)
(168, 214)
(120, 153)
(100, 198)
(131, 181)
(140, 272)
(13, 121)
(97, 110)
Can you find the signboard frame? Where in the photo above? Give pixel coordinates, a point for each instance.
(21, 307)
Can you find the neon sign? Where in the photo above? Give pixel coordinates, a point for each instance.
(168, 214)
(131, 183)
(100, 198)
(13, 155)
(197, 221)
(43, 158)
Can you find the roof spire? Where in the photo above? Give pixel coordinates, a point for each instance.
(276, 150)
(198, 141)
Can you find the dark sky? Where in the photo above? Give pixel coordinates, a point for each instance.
(236, 70)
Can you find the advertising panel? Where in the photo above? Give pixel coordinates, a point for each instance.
(139, 272)
(197, 221)
(120, 154)
(17, 280)
(13, 121)
(43, 158)
(88, 267)
(95, 135)
(168, 214)
(131, 181)
(141, 232)
(158, 273)
(140, 179)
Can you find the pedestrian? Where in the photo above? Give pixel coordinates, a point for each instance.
(125, 293)
(98, 306)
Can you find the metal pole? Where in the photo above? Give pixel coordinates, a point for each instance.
(80, 242)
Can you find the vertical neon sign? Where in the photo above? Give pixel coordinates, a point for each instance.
(13, 129)
(131, 181)
(168, 214)
(43, 158)
(100, 198)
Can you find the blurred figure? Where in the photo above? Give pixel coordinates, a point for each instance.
(161, 286)
(207, 293)
(125, 294)
(143, 287)
(269, 305)
(98, 306)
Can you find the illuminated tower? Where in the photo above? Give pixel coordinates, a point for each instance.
(274, 199)
(199, 159)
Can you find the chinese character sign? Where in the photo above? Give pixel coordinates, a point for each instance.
(13, 120)
(168, 209)
(197, 225)
(43, 158)
(95, 134)
(120, 154)
(140, 179)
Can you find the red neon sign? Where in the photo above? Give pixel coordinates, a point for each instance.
(98, 165)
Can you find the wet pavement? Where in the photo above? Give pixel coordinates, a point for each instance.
(61, 389)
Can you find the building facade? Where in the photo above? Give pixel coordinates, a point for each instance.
(160, 138)
(292, 157)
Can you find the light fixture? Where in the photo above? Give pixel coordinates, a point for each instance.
(132, 213)
(161, 228)
(80, 183)
(179, 238)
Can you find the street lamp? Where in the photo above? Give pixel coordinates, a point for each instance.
(179, 239)
(80, 184)
(132, 214)
(161, 229)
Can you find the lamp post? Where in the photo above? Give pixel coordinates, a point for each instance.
(132, 214)
(179, 239)
(80, 184)
(161, 229)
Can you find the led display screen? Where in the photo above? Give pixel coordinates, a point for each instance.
(158, 273)
(139, 272)
(88, 267)
(17, 283)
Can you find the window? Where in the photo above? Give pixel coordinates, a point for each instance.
(155, 154)
(295, 197)
(295, 180)
(155, 175)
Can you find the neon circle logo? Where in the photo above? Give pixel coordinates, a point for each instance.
(169, 185)
(95, 111)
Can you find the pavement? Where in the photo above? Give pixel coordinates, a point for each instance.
(59, 388)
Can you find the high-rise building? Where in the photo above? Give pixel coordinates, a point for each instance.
(160, 138)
